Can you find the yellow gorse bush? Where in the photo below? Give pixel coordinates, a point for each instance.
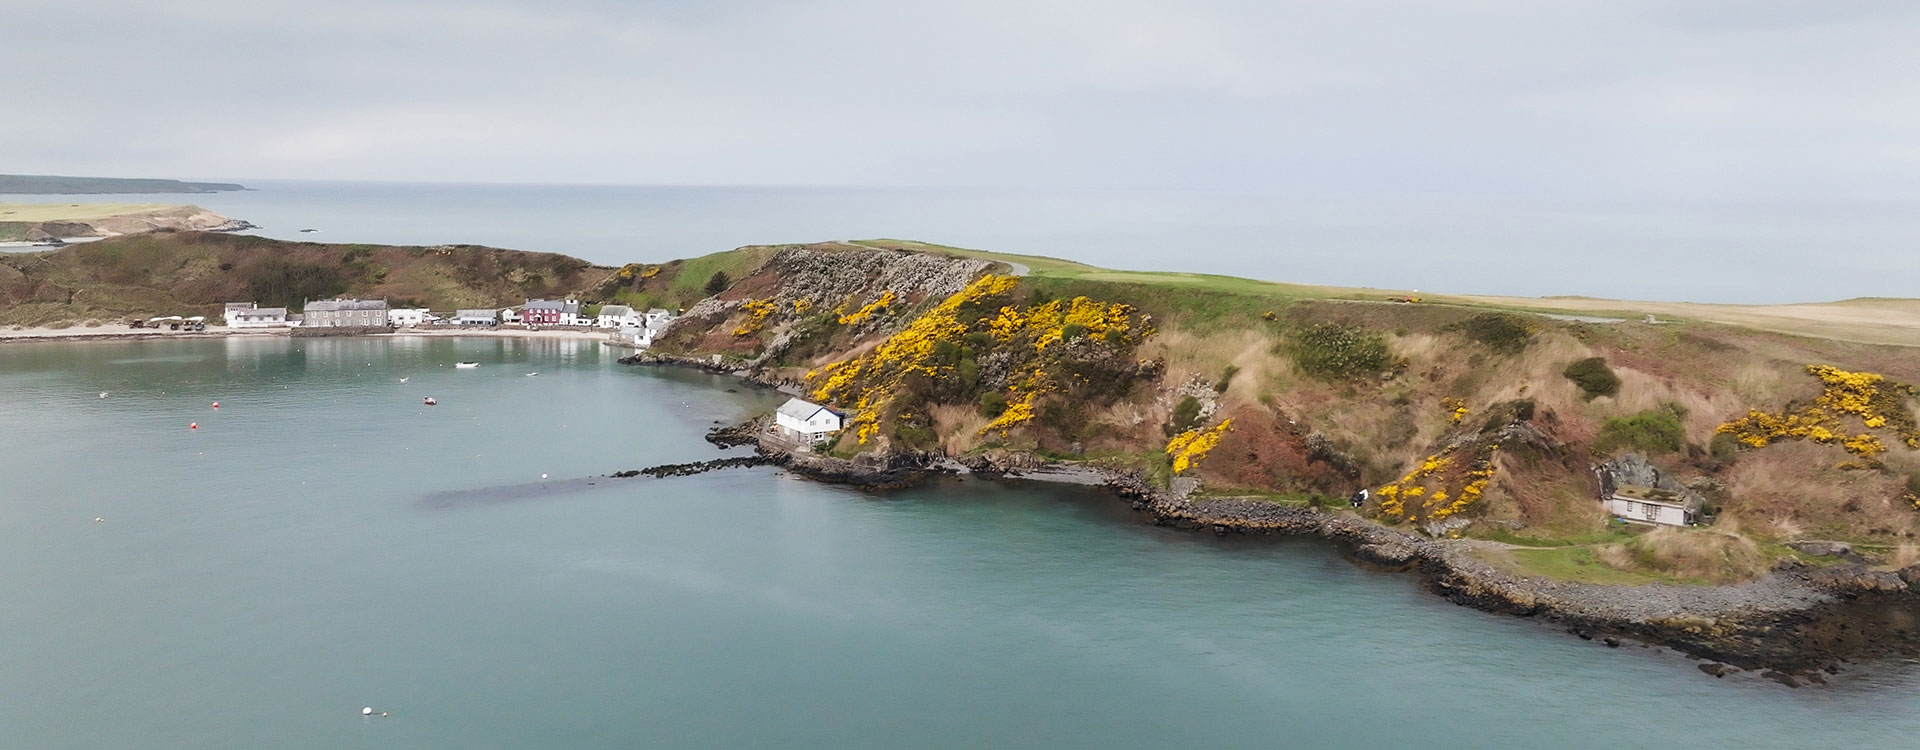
(1398, 500)
(1188, 448)
(1456, 408)
(869, 383)
(757, 312)
(859, 316)
(1877, 402)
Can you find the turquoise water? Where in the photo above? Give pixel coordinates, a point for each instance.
(1703, 251)
(324, 543)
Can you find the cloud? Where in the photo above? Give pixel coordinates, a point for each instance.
(1770, 99)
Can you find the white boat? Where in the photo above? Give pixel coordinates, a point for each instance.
(466, 365)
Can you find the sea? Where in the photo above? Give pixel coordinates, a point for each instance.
(175, 575)
(1696, 250)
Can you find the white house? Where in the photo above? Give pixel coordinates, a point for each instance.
(509, 315)
(251, 315)
(1648, 505)
(410, 316)
(620, 316)
(806, 421)
(474, 318)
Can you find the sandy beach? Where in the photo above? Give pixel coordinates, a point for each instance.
(120, 332)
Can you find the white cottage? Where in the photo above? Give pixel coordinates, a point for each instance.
(805, 421)
(251, 315)
(620, 316)
(1649, 505)
(406, 317)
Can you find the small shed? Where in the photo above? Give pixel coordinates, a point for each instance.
(806, 421)
(1639, 504)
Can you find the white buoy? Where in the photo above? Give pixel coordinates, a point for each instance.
(97, 519)
(543, 476)
(368, 711)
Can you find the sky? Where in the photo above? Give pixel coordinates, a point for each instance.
(1669, 99)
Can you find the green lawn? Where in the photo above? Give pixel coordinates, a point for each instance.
(1580, 565)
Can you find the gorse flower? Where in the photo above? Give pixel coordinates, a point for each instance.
(1876, 401)
(1428, 483)
(757, 312)
(1188, 448)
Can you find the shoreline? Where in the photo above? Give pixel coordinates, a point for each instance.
(121, 333)
(1794, 626)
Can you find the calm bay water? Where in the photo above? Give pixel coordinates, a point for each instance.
(1700, 251)
(323, 542)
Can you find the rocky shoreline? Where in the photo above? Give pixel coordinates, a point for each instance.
(1794, 626)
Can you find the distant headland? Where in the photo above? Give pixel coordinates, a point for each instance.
(35, 184)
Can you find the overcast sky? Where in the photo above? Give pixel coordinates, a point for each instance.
(1716, 99)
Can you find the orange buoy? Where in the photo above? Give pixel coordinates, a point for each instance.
(193, 425)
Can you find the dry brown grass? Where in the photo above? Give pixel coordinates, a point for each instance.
(1795, 489)
(958, 425)
(1720, 554)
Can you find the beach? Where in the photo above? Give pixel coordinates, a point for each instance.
(120, 332)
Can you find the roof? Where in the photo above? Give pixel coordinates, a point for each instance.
(473, 313)
(337, 305)
(255, 311)
(231, 306)
(565, 306)
(802, 410)
(658, 311)
(616, 310)
(1653, 495)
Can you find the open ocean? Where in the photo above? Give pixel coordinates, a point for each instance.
(1701, 252)
(324, 543)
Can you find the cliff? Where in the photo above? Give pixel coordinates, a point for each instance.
(1462, 418)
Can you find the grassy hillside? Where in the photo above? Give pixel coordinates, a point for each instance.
(192, 273)
(1302, 394)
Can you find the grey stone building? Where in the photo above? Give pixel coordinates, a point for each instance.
(345, 313)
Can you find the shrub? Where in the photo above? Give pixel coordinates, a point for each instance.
(1505, 333)
(1337, 352)
(1594, 377)
(1226, 378)
(283, 283)
(992, 404)
(718, 283)
(1651, 432)
(1186, 414)
(1724, 447)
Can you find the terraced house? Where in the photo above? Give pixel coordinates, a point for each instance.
(551, 312)
(345, 313)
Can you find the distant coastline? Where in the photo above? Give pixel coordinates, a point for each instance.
(36, 184)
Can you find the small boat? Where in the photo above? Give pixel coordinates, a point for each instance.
(466, 365)
(428, 401)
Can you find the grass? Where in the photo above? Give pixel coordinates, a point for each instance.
(1496, 533)
(1863, 320)
(1581, 565)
